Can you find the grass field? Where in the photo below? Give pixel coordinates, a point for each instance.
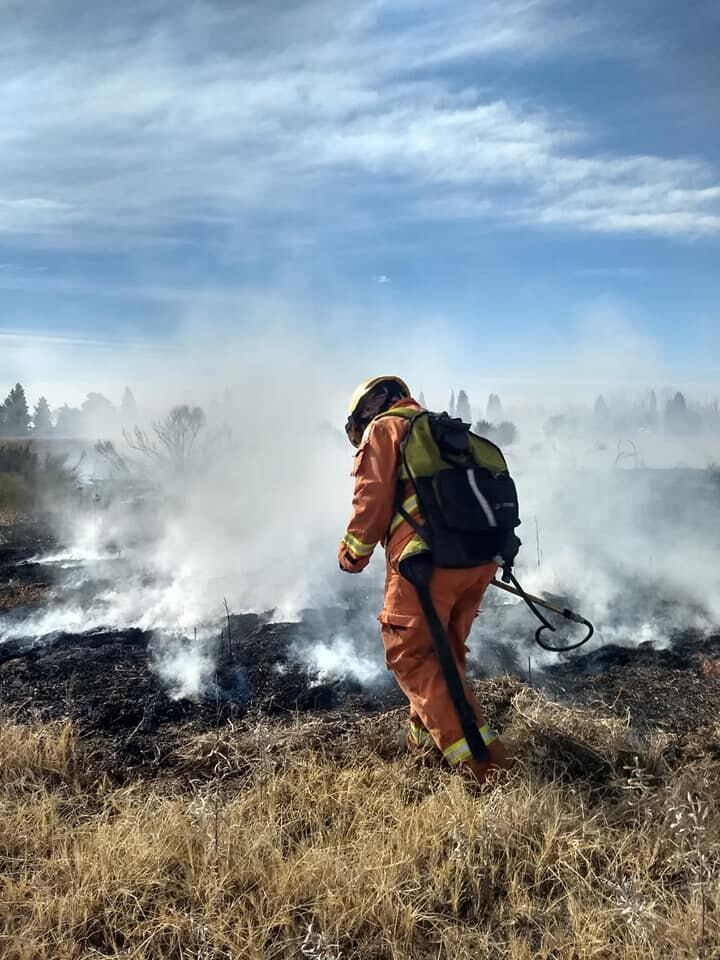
(321, 840)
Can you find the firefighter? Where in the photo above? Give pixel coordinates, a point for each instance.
(380, 409)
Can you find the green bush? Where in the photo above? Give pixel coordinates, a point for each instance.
(28, 481)
(15, 493)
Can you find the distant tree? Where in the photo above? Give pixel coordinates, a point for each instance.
(462, 410)
(503, 433)
(681, 418)
(97, 404)
(42, 419)
(14, 414)
(676, 417)
(506, 433)
(679, 402)
(68, 422)
(174, 437)
(451, 406)
(494, 408)
(652, 405)
(483, 428)
(649, 410)
(128, 408)
(555, 425)
(601, 412)
(98, 414)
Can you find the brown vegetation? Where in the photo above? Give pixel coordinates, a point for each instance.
(17, 594)
(321, 838)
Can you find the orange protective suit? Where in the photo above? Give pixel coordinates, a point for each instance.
(406, 637)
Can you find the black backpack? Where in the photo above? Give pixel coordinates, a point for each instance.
(464, 490)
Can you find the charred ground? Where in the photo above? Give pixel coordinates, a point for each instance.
(108, 683)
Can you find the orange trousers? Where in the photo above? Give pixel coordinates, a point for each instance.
(409, 653)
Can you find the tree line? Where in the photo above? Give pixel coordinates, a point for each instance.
(490, 423)
(671, 413)
(95, 415)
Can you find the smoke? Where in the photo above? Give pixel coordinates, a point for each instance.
(617, 514)
(342, 659)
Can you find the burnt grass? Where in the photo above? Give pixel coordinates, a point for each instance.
(108, 682)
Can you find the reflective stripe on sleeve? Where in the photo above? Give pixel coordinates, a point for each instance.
(459, 751)
(357, 547)
(409, 506)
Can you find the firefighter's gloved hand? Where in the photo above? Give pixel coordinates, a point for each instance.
(507, 555)
(350, 563)
(510, 550)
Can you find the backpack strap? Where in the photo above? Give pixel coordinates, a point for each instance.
(410, 414)
(420, 529)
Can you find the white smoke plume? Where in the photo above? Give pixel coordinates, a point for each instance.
(617, 519)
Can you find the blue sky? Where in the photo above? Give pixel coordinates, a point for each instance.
(510, 167)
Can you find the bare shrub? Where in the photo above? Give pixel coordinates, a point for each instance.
(171, 445)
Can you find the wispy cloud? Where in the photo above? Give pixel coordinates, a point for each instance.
(32, 339)
(161, 119)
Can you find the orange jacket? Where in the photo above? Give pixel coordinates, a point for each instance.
(374, 517)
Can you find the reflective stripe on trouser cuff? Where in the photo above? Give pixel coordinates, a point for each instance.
(409, 506)
(357, 547)
(420, 736)
(459, 751)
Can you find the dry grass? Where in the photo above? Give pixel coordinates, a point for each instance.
(278, 842)
(9, 516)
(16, 594)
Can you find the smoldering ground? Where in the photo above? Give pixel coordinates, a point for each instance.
(618, 513)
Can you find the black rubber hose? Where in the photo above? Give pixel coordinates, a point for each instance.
(546, 625)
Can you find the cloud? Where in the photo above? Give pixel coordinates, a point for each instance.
(33, 214)
(148, 123)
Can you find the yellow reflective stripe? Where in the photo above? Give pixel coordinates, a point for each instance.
(459, 751)
(359, 548)
(409, 506)
(416, 545)
(487, 734)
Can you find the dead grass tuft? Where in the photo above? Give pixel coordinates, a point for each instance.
(18, 594)
(330, 843)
